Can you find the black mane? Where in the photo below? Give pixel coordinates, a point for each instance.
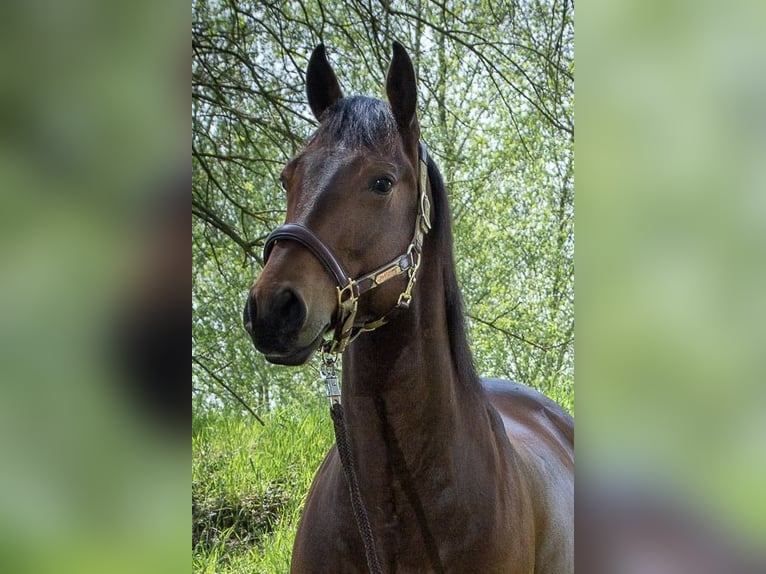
(442, 234)
(358, 121)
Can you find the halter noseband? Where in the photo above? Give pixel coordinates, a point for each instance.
(349, 290)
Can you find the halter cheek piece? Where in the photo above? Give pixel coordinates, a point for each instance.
(349, 290)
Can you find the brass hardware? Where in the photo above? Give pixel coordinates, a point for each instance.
(330, 376)
(406, 296)
(425, 204)
(347, 305)
(347, 293)
(387, 274)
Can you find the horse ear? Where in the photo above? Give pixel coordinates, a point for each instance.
(401, 88)
(322, 86)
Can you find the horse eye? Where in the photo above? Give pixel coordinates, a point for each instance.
(382, 185)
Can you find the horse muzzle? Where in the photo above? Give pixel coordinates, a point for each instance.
(277, 323)
(290, 307)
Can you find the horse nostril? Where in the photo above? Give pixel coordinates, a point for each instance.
(276, 318)
(290, 309)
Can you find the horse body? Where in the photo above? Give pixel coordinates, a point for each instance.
(490, 465)
(456, 474)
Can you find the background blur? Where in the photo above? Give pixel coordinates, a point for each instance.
(671, 278)
(94, 182)
(94, 130)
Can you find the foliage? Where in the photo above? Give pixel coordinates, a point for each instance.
(496, 93)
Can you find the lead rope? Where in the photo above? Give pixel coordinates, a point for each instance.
(328, 371)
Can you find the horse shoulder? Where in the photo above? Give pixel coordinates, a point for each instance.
(525, 410)
(541, 435)
(319, 547)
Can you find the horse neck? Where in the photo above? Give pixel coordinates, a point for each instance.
(401, 384)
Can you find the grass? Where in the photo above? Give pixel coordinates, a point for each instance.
(249, 483)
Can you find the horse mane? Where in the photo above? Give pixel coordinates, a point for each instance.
(456, 325)
(360, 121)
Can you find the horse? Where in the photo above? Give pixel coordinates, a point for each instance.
(454, 473)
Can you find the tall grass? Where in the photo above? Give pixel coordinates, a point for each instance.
(249, 483)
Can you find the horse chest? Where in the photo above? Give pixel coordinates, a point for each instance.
(443, 536)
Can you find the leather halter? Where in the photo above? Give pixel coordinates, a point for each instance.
(349, 290)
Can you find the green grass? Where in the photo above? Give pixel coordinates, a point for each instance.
(249, 483)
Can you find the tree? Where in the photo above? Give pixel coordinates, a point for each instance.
(496, 94)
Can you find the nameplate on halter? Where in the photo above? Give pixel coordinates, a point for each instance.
(387, 274)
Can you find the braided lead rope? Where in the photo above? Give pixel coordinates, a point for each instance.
(329, 373)
(357, 505)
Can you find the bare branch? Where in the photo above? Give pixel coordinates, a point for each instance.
(221, 382)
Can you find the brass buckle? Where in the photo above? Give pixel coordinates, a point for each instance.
(346, 294)
(347, 303)
(425, 212)
(406, 296)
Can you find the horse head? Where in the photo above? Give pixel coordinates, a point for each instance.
(354, 194)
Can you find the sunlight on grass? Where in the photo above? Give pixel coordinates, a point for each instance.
(249, 483)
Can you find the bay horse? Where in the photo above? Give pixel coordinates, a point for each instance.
(455, 473)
